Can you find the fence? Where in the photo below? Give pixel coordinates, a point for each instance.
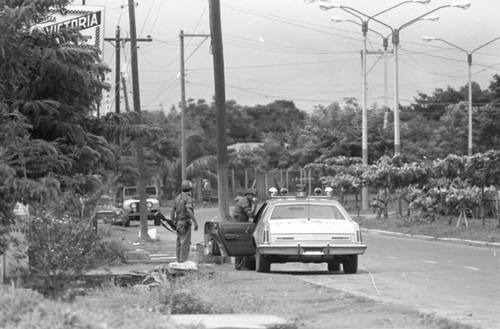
(263, 181)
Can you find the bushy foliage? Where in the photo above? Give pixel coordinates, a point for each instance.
(183, 301)
(396, 173)
(47, 90)
(61, 249)
(24, 309)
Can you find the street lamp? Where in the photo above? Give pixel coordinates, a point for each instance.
(385, 44)
(469, 61)
(395, 43)
(364, 20)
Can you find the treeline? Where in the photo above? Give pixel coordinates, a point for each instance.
(52, 146)
(452, 186)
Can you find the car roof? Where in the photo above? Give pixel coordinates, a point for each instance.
(294, 199)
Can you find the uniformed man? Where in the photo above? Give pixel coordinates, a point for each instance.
(245, 207)
(243, 212)
(183, 216)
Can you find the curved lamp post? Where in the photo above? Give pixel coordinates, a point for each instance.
(469, 61)
(364, 20)
(326, 5)
(395, 42)
(385, 44)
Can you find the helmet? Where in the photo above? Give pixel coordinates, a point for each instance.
(251, 191)
(186, 185)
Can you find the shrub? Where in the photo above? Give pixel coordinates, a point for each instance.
(181, 297)
(24, 309)
(61, 250)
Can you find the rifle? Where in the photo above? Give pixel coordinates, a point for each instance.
(165, 222)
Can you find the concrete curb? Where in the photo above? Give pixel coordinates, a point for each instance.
(426, 237)
(232, 321)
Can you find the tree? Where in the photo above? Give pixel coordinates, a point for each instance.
(433, 107)
(494, 89)
(417, 135)
(395, 174)
(47, 91)
(451, 135)
(486, 128)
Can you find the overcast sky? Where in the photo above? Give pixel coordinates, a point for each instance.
(289, 49)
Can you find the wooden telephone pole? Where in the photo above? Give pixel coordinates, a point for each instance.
(183, 102)
(137, 108)
(220, 108)
(117, 43)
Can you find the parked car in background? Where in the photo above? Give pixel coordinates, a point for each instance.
(131, 204)
(300, 228)
(107, 212)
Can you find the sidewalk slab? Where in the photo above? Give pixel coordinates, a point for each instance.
(232, 321)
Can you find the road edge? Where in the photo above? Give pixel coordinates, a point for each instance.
(432, 238)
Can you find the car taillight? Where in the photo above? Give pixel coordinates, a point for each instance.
(265, 237)
(358, 236)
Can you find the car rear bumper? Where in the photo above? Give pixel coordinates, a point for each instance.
(313, 251)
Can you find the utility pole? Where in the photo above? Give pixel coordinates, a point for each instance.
(137, 108)
(125, 95)
(220, 107)
(117, 42)
(183, 113)
(383, 54)
(183, 102)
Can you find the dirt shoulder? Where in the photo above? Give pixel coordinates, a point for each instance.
(282, 294)
(308, 305)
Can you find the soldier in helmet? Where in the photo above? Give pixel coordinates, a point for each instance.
(245, 207)
(182, 215)
(243, 211)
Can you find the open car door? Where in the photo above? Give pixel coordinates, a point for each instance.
(234, 238)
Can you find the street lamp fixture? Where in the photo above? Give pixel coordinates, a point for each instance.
(469, 62)
(395, 43)
(364, 20)
(461, 4)
(326, 7)
(337, 19)
(433, 18)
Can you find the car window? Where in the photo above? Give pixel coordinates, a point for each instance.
(130, 191)
(260, 213)
(151, 191)
(105, 201)
(307, 211)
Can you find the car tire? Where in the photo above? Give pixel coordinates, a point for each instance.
(250, 263)
(350, 264)
(127, 222)
(262, 263)
(333, 266)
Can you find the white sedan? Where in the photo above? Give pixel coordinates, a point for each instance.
(301, 228)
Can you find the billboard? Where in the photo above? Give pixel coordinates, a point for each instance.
(88, 20)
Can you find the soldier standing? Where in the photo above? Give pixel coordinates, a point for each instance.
(182, 215)
(243, 211)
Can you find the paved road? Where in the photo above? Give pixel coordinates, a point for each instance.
(454, 281)
(450, 280)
